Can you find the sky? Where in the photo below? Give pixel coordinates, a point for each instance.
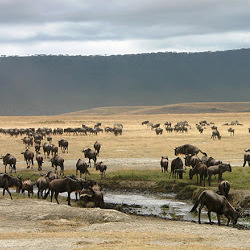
(110, 27)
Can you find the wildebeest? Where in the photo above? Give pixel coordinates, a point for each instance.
(176, 164)
(7, 181)
(215, 133)
(49, 139)
(145, 122)
(28, 186)
(10, 160)
(119, 125)
(164, 164)
(117, 131)
(28, 157)
(54, 150)
(58, 161)
(158, 131)
(224, 188)
(102, 168)
(246, 158)
(39, 159)
(28, 141)
(46, 149)
(187, 149)
(215, 203)
(231, 131)
(97, 147)
(218, 169)
(67, 184)
(42, 185)
(64, 145)
(191, 160)
(90, 154)
(201, 170)
(82, 167)
(212, 162)
(37, 148)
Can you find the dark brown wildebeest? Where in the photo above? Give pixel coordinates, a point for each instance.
(42, 185)
(201, 170)
(28, 157)
(191, 160)
(10, 160)
(215, 203)
(39, 159)
(102, 168)
(82, 167)
(117, 131)
(168, 124)
(64, 145)
(97, 147)
(246, 158)
(176, 164)
(218, 169)
(28, 141)
(145, 122)
(90, 154)
(7, 181)
(58, 161)
(231, 131)
(187, 149)
(49, 139)
(37, 148)
(28, 186)
(46, 149)
(215, 134)
(158, 131)
(164, 164)
(54, 150)
(169, 129)
(212, 162)
(224, 188)
(67, 184)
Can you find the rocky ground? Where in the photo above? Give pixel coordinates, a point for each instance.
(39, 224)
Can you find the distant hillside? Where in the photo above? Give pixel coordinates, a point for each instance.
(48, 85)
(181, 108)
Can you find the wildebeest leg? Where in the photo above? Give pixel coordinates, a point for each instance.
(199, 215)
(228, 219)
(51, 197)
(76, 196)
(8, 192)
(209, 216)
(68, 199)
(209, 180)
(6, 165)
(56, 197)
(218, 218)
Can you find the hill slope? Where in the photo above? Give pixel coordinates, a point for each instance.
(38, 85)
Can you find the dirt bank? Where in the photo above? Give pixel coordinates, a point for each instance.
(37, 224)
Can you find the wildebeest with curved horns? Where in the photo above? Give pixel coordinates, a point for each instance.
(187, 149)
(215, 203)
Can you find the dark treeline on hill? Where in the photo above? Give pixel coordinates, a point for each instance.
(42, 85)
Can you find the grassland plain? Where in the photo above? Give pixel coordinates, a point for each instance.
(133, 157)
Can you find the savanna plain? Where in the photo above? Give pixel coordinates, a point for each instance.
(133, 161)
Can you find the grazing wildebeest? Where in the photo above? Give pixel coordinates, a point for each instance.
(90, 154)
(64, 145)
(164, 164)
(46, 149)
(82, 167)
(58, 161)
(218, 169)
(28, 157)
(246, 158)
(102, 167)
(97, 147)
(67, 184)
(231, 131)
(176, 164)
(191, 160)
(224, 188)
(212, 162)
(54, 150)
(215, 203)
(28, 186)
(215, 134)
(39, 159)
(7, 181)
(201, 170)
(158, 131)
(187, 149)
(10, 160)
(145, 122)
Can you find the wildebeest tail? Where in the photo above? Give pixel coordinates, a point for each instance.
(203, 153)
(197, 203)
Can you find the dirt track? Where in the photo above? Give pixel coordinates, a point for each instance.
(37, 224)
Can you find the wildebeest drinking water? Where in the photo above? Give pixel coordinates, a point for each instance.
(187, 149)
(215, 203)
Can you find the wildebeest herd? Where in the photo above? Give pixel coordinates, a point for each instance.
(88, 191)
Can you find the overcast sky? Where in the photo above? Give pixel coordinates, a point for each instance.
(94, 27)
